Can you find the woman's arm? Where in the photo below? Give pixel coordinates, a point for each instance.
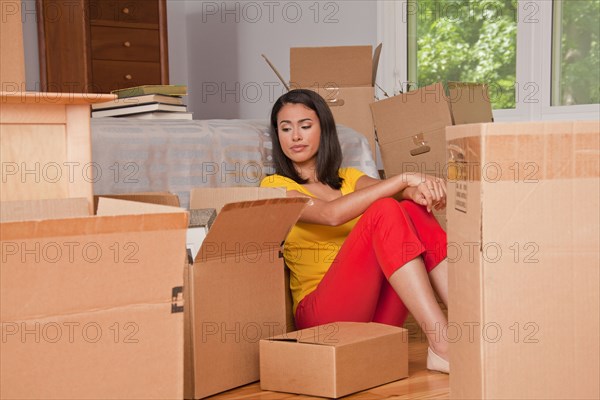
(368, 190)
(422, 195)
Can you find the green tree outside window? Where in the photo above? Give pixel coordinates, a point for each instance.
(576, 52)
(461, 40)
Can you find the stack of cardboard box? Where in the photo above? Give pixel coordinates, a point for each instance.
(523, 231)
(106, 304)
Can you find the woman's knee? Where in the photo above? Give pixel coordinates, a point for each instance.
(385, 211)
(413, 208)
(386, 206)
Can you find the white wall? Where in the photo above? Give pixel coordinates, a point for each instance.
(215, 47)
(30, 44)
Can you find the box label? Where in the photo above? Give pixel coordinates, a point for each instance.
(460, 202)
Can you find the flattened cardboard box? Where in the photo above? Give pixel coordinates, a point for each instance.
(344, 76)
(237, 286)
(90, 304)
(411, 126)
(524, 282)
(334, 360)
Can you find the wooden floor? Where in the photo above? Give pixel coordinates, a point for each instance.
(420, 384)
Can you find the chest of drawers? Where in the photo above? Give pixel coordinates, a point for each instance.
(97, 46)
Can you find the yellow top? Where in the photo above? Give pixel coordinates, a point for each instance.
(310, 249)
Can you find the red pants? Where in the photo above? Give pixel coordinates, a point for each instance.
(356, 288)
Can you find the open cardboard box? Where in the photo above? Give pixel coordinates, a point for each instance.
(334, 360)
(91, 306)
(411, 126)
(524, 256)
(237, 286)
(344, 76)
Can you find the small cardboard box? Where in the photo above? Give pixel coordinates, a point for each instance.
(344, 76)
(237, 285)
(91, 306)
(523, 251)
(334, 360)
(411, 126)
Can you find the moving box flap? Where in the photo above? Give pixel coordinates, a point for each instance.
(163, 198)
(108, 206)
(217, 197)
(285, 85)
(376, 57)
(339, 334)
(470, 103)
(410, 114)
(331, 66)
(251, 226)
(91, 225)
(43, 209)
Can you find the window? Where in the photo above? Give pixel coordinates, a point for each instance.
(464, 40)
(576, 52)
(541, 58)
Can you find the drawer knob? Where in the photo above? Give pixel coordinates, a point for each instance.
(125, 10)
(128, 77)
(127, 44)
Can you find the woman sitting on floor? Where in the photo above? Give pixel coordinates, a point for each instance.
(364, 249)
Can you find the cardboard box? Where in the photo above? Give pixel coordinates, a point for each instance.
(334, 360)
(237, 288)
(160, 198)
(410, 126)
(216, 198)
(91, 306)
(344, 76)
(523, 248)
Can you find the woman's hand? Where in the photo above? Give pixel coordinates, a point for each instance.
(425, 190)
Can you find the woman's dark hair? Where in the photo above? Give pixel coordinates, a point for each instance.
(329, 154)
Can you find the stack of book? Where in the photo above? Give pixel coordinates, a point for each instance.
(147, 102)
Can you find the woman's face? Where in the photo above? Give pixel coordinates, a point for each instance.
(299, 131)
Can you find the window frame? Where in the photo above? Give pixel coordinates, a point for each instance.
(533, 70)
